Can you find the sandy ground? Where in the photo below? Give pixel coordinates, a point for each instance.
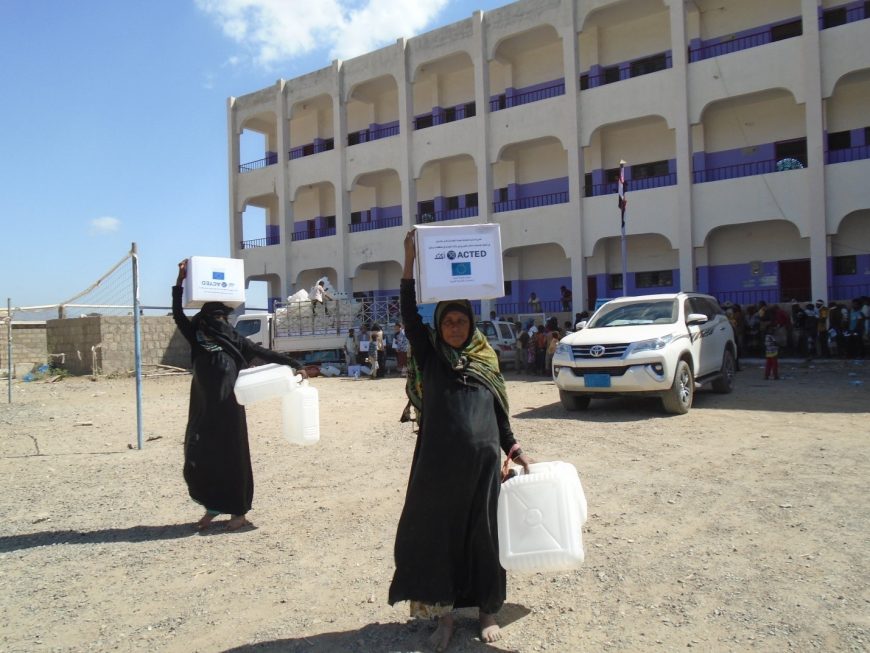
(742, 526)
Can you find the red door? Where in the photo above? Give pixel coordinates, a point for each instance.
(794, 281)
(591, 292)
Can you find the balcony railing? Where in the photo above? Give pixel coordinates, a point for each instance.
(848, 154)
(449, 214)
(312, 148)
(366, 135)
(269, 160)
(261, 242)
(515, 309)
(841, 15)
(380, 223)
(645, 183)
(504, 101)
(307, 234)
(629, 70)
(763, 36)
(738, 170)
(530, 202)
(443, 116)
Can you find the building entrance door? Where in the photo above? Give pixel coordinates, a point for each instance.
(794, 280)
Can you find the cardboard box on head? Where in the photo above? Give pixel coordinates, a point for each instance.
(459, 262)
(214, 279)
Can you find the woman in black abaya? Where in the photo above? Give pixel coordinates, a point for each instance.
(446, 550)
(217, 460)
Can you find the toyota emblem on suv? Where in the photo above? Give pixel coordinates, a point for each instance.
(597, 351)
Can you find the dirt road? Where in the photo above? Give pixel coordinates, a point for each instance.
(742, 526)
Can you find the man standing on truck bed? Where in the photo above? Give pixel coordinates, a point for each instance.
(318, 294)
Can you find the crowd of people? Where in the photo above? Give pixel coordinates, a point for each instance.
(835, 329)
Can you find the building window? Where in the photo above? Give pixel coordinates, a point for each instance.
(450, 114)
(840, 140)
(615, 281)
(611, 176)
(452, 203)
(649, 65)
(655, 279)
(501, 194)
(584, 81)
(587, 184)
(355, 217)
(508, 287)
(646, 170)
(329, 222)
(834, 17)
(470, 110)
(794, 149)
(471, 199)
(353, 138)
(786, 30)
(845, 265)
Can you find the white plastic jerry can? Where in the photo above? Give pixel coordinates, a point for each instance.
(300, 412)
(540, 519)
(263, 382)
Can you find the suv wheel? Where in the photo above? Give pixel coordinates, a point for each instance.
(725, 383)
(678, 400)
(572, 401)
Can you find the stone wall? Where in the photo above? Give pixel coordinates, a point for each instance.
(28, 346)
(105, 345)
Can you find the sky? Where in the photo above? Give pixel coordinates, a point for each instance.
(115, 126)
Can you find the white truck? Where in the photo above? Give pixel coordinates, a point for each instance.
(315, 333)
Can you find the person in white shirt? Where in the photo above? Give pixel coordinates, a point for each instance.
(318, 294)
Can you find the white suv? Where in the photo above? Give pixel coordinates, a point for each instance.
(502, 337)
(655, 344)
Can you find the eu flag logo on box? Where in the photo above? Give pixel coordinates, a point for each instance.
(462, 269)
(217, 275)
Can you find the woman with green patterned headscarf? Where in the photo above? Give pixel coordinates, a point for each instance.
(446, 549)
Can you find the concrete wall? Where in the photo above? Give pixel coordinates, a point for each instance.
(28, 347)
(107, 342)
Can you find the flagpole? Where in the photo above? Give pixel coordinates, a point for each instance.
(622, 203)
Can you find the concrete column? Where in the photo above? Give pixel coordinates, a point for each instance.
(342, 192)
(232, 172)
(282, 187)
(406, 133)
(815, 187)
(683, 134)
(574, 235)
(481, 99)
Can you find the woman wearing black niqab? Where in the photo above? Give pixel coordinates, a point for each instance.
(217, 458)
(446, 549)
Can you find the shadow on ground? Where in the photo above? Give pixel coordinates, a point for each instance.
(844, 390)
(106, 536)
(391, 637)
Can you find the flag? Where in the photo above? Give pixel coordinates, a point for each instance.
(620, 187)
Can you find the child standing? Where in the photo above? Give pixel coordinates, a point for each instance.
(771, 355)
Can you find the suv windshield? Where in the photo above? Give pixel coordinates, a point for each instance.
(662, 311)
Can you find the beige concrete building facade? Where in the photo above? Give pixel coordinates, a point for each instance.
(745, 127)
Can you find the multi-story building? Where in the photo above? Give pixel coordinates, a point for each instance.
(745, 126)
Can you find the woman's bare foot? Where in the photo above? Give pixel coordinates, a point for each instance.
(204, 522)
(237, 522)
(440, 639)
(489, 630)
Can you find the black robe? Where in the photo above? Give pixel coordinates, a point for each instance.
(217, 459)
(446, 547)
